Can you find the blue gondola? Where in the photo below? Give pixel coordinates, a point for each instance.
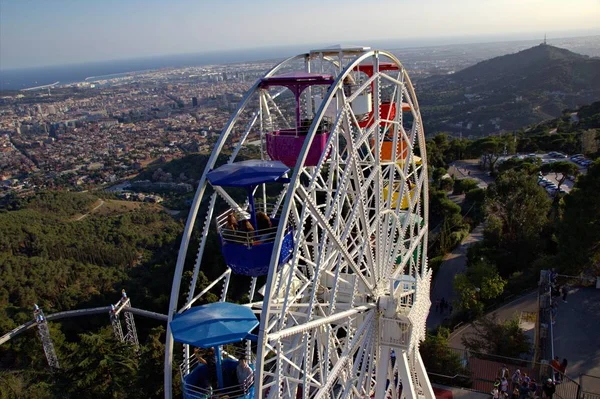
(209, 327)
(247, 251)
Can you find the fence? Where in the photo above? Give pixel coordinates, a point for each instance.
(479, 371)
(590, 386)
(567, 388)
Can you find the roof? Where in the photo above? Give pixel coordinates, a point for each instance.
(214, 324)
(247, 173)
(344, 49)
(297, 78)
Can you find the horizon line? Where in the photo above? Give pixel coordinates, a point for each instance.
(294, 46)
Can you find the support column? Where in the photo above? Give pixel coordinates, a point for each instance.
(423, 377)
(383, 361)
(404, 372)
(44, 331)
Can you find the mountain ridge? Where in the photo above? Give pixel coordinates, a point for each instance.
(509, 91)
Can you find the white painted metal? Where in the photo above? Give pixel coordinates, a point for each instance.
(357, 286)
(44, 332)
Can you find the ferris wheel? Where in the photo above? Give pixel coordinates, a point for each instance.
(317, 193)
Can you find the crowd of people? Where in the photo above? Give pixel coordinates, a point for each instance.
(519, 385)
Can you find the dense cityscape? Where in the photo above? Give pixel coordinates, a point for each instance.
(106, 129)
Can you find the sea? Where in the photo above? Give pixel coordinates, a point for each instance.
(19, 79)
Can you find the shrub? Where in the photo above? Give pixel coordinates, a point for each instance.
(464, 185)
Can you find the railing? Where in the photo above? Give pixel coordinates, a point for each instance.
(478, 371)
(249, 238)
(394, 332)
(590, 386)
(567, 388)
(233, 391)
(301, 130)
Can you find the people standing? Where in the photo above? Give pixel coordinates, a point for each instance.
(524, 390)
(504, 386)
(556, 368)
(563, 367)
(516, 379)
(548, 389)
(503, 372)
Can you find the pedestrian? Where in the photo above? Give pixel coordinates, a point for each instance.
(515, 394)
(504, 385)
(526, 378)
(555, 364)
(533, 388)
(516, 379)
(442, 305)
(450, 310)
(548, 389)
(524, 390)
(437, 305)
(563, 367)
(503, 372)
(565, 291)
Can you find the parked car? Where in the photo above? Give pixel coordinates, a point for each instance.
(576, 156)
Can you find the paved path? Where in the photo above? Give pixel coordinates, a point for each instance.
(77, 219)
(526, 303)
(463, 167)
(577, 333)
(443, 285)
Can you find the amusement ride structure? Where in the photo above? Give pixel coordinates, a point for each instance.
(317, 191)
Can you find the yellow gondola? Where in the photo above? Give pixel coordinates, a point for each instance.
(396, 186)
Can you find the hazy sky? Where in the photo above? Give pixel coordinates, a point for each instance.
(45, 32)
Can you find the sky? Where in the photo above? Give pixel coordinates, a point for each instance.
(57, 32)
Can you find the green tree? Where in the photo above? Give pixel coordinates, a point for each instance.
(102, 368)
(501, 338)
(578, 230)
(437, 356)
(562, 170)
(517, 209)
(480, 283)
(463, 185)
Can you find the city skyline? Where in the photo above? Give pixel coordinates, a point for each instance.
(36, 34)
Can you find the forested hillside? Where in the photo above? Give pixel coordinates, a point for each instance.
(508, 92)
(52, 257)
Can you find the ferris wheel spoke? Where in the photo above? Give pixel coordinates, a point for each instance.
(243, 138)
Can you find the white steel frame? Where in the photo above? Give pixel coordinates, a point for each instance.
(357, 286)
